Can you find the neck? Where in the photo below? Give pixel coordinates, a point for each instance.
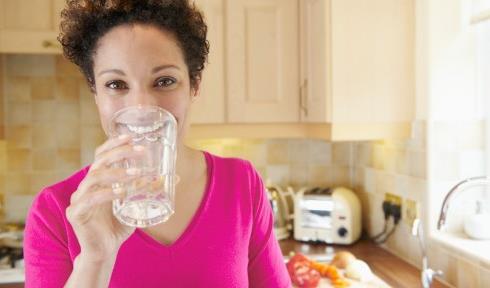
(185, 159)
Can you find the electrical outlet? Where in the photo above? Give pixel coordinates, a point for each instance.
(411, 211)
(393, 199)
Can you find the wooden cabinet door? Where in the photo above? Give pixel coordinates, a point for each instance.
(209, 107)
(262, 61)
(315, 61)
(30, 26)
(372, 61)
(357, 61)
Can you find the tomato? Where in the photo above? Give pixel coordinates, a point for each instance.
(301, 272)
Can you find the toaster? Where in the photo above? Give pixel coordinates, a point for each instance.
(329, 215)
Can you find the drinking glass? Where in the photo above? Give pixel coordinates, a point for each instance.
(149, 197)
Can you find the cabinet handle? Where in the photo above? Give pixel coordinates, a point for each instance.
(50, 44)
(303, 97)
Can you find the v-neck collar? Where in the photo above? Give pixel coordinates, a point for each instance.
(183, 238)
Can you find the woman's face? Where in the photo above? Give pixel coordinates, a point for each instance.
(141, 65)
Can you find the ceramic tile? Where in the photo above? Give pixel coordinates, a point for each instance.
(370, 181)
(68, 112)
(320, 175)
(277, 175)
(19, 159)
(92, 136)
(17, 183)
(44, 111)
(30, 65)
(43, 136)
(40, 180)
(342, 154)
(385, 183)
(389, 159)
(256, 152)
(277, 152)
(378, 156)
(19, 113)
(402, 164)
(67, 89)
(19, 136)
(364, 156)
(320, 152)
(341, 176)
(417, 163)
(88, 112)
(299, 151)
(298, 175)
(42, 88)
(65, 68)
(68, 135)
(44, 159)
(18, 89)
(68, 159)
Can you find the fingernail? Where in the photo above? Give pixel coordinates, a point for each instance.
(138, 148)
(123, 136)
(133, 171)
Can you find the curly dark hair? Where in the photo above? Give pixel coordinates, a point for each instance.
(84, 22)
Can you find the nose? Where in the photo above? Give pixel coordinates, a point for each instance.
(140, 97)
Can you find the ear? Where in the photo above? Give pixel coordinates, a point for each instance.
(196, 90)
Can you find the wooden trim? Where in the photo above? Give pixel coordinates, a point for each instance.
(331, 132)
(29, 42)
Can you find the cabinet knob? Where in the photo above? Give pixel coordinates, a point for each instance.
(50, 44)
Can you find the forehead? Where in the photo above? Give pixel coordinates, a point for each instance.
(127, 46)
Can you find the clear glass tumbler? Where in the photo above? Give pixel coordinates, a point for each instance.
(149, 199)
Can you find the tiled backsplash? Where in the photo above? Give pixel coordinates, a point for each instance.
(51, 122)
(290, 161)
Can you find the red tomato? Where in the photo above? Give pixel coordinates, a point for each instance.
(301, 272)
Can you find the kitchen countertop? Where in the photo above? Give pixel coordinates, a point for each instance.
(391, 269)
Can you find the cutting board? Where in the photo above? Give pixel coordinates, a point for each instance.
(376, 282)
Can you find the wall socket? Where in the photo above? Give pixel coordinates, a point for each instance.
(393, 199)
(411, 211)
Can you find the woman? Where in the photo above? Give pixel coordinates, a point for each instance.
(149, 52)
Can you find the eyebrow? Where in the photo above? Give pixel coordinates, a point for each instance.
(154, 70)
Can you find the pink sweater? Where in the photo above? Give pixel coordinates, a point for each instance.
(229, 242)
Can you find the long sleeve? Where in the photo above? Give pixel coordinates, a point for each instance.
(266, 266)
(46, 255)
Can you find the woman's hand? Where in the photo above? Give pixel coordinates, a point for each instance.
(98, 232)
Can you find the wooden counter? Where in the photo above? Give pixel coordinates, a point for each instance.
(391, 269)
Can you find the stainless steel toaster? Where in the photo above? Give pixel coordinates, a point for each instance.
(330, 215)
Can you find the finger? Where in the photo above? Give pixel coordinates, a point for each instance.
(112, 143)
(104, 177)
(117, 154)
(80, 211)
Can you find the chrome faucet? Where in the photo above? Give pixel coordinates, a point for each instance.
(427, 274)
(461, 186)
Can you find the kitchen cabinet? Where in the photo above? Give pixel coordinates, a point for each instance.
(30, 26)
(262, 61)
(209, 107)
(357, 67)
(259, 50)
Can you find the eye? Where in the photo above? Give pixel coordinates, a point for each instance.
(116, 84)
(165, 82)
